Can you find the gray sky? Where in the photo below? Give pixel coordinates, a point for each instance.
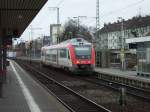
(110, 10)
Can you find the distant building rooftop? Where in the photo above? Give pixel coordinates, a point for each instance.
(133, 23)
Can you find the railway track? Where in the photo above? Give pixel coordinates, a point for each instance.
(131, 90)
(137, 92)
(91, 82)
(71, 99)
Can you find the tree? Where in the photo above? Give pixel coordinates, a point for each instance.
(73, 30)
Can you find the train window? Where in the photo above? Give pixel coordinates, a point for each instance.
(83, 52)
(51, 55)
(54, 57)
(63, 53)
(47, 55)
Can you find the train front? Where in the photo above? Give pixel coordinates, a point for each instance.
(83, 57)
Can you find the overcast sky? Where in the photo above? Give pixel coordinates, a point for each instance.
(110, 10)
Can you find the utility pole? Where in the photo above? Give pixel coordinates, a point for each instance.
(122, 51)
(78, 21)
(97, 16)
(97, 28)
(58, 28)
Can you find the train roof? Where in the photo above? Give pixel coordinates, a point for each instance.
(74, 41)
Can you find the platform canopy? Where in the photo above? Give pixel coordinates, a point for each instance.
(137, 40)
(15, 15)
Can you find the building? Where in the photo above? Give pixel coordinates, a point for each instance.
(112, 35)
(33, 47)
(47, 40)
(55, 30)
(38, 43)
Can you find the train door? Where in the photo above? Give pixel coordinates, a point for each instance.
(63, 57)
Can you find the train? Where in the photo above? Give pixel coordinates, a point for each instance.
(75, 55)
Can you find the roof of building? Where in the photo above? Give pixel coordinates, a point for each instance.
(133, 23)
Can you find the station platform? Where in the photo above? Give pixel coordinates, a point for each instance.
(116, 71)
(124, 77)
(21, 93)
(125, 73)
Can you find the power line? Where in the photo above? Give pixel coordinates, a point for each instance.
(102, 1)
(60, 3)
(121, 9)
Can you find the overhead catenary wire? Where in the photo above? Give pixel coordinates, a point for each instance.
(122, 9)
(118, 10)
(60, 3)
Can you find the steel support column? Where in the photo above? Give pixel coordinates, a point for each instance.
(4, 50)
(1, 66)
(2, 60)
(0, 57)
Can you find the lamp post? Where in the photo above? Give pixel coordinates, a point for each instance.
(122, 52)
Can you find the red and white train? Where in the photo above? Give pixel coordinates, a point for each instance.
(76, 55)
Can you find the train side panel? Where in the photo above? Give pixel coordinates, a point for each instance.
(64, 57)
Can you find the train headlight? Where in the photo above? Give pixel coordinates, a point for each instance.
(78, 62)
(89, 61)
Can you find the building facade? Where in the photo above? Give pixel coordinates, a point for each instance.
(55, 31)
(112, 36)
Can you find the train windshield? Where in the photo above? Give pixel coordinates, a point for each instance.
(83, 52)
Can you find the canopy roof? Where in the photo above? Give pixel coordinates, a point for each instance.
(15, 15)
(139, 39)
